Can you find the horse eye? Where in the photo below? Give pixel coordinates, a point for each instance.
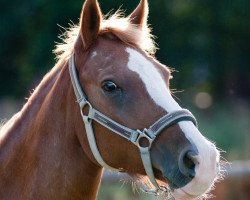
(109, 86)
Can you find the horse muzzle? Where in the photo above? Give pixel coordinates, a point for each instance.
(190, 167)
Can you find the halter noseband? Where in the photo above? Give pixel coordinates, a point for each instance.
(134, 136)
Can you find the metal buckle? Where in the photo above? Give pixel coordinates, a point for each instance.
(86, 118)
(144, 140)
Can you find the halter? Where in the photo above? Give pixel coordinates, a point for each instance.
(137, 137)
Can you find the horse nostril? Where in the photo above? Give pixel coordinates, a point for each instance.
(187, 163)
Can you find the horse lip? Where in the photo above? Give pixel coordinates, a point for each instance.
(163, 177)
(175, 182)
(171, 185)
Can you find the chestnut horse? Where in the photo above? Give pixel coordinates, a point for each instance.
(106, 103)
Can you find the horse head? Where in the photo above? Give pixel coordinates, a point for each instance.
(134, 123)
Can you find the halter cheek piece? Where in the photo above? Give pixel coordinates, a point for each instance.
(134, 136)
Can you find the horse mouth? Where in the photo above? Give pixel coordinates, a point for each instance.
(172, 181)
(165, 181)
(173, 190)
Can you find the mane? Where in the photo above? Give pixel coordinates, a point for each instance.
(116, 24)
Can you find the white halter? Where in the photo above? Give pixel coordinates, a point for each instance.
(134, 136)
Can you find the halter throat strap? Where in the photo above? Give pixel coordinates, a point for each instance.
(134, 136)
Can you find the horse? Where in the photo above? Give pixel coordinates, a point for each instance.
(105, 104)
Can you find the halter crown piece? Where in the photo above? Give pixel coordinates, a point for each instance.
(134, 136)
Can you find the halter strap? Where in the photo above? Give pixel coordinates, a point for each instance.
(80, 95)
(131, 135)
(134, 135)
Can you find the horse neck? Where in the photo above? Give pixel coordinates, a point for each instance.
(43, 148)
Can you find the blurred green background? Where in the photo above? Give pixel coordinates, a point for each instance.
(206, 41)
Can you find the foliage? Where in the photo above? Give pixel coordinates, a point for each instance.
(208, 41)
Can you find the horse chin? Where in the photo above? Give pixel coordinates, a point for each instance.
(173, 178)
(188, 192)
(172, 192)
(178, 193)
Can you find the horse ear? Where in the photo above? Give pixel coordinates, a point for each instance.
(90, 21)
(140, 15)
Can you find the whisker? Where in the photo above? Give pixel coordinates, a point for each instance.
(173, 91)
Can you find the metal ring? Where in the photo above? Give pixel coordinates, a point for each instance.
(143, 135)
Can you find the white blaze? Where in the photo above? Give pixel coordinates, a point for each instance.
(156, 87)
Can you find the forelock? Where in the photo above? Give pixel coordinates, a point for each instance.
(116, 24)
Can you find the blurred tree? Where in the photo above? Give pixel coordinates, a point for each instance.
(28, 30)
(208, 41)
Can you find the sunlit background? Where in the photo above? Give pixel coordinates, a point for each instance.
(207, 42)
